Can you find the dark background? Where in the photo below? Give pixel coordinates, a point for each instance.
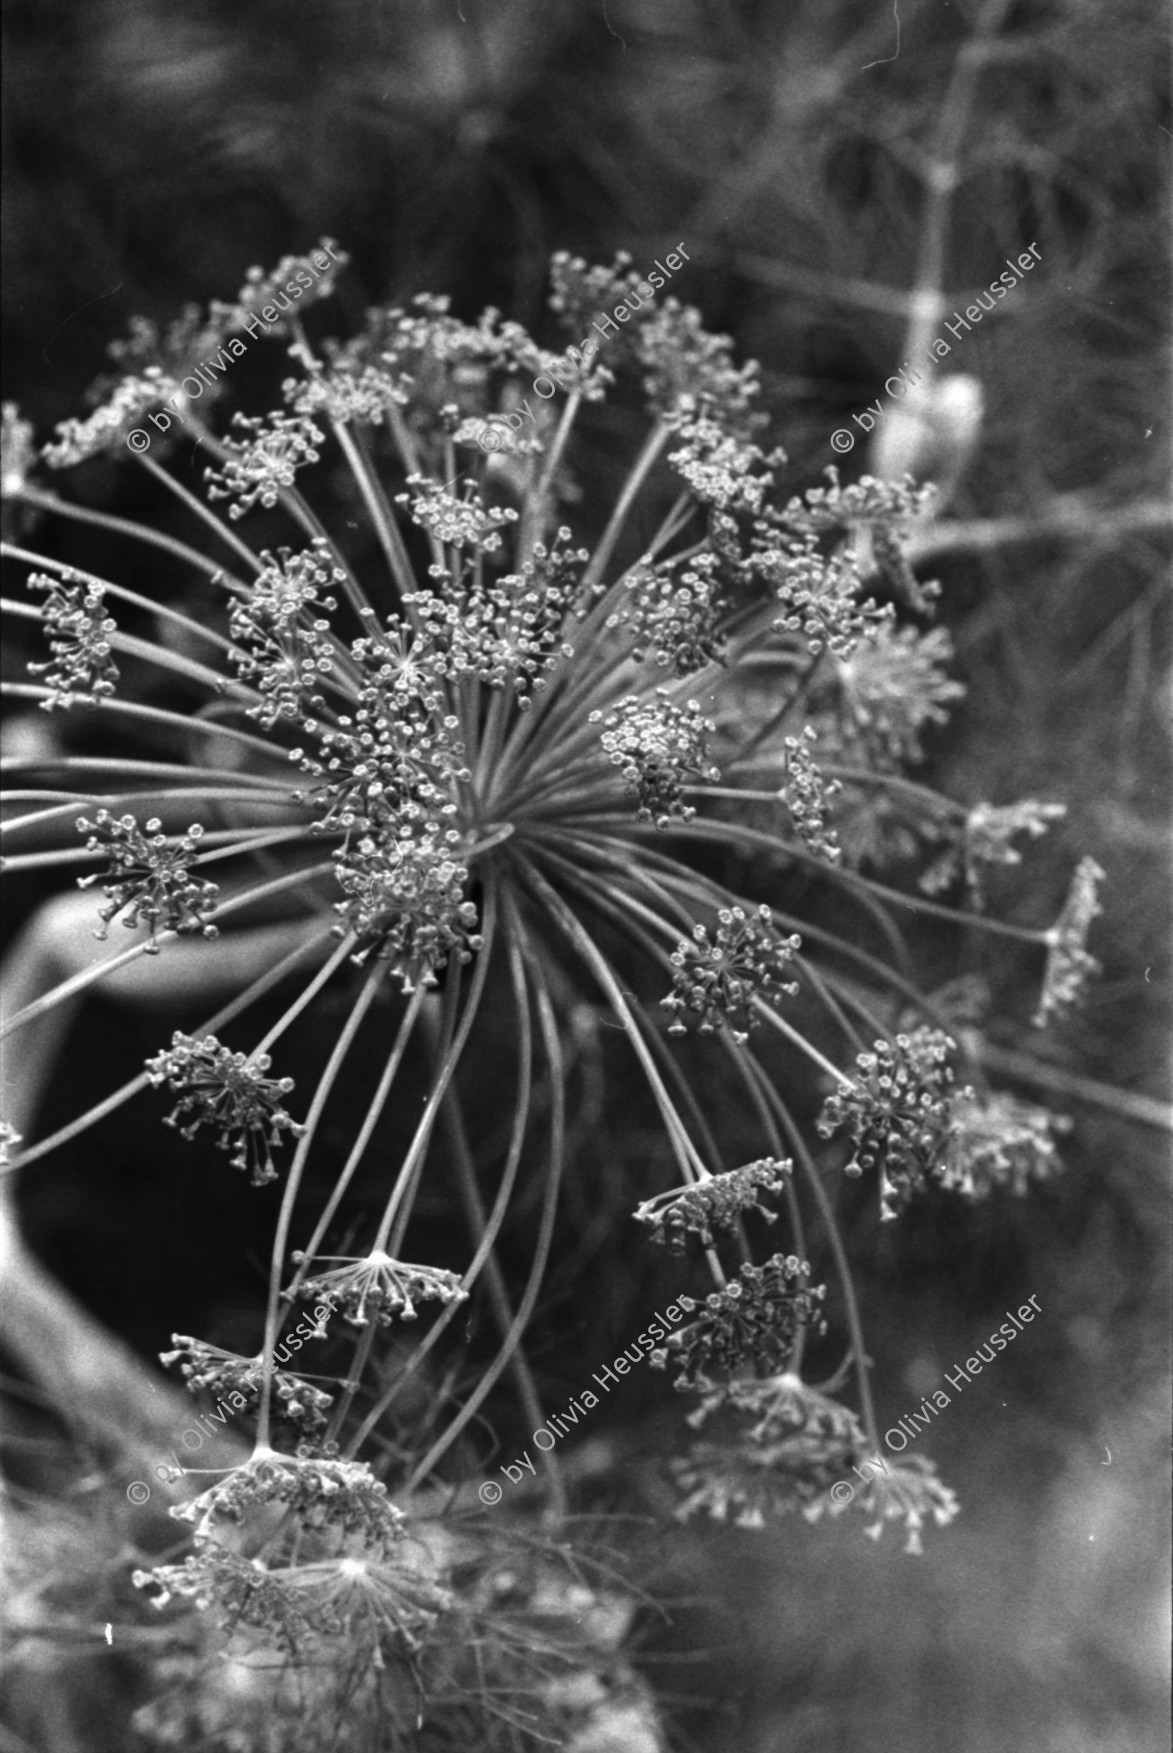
(153, 153)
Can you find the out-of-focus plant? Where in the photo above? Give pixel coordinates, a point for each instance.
(632, 773)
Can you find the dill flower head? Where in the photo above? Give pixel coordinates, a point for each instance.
(280, 634)
(719, 977)
(416, 726)
(717, 1202)
(82, 670)
(225, 1375)
(367, 1599)
(256, 469)
(899, 1111)
(229, 1092)
(754, 1320)
(405, 897)
(242, 1591)
(658, 746)
(890, 688)
(149, 878)
(987, 839)
(1001, 1141)
(388, 1288)
(673, 613)
(807, 795)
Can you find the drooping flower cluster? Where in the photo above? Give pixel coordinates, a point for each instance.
(387, 1288)
(717, 1202)
(230, 1093)
(719, 977)
(755, 1319)
(149, 878)
(899, 1110)
(77, 627)
(226, 1376)
(907, 1491)
(342, 1498)
(658, 746)
(789, 1445)
(1069, 965)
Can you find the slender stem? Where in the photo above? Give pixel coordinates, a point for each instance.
(242, 841)
(549, 1031)
(74, 573)
(203, 512)
(489, 1230)
(83, 799)
(377, 1104)
(159, 769)
(126, 526)
(146, 649)
(797, 1040)
(851, 1306)
(653, 445)
(297, 1169)
(159, 714)
(395, 1217)
(539, 493)
(264, 983)
(572, 928)
(381, 513)
(307, 997)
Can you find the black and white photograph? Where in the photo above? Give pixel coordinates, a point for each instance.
(585, 1085)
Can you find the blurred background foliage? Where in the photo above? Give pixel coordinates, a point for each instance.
(153, 153)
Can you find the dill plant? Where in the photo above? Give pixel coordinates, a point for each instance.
(493, 748)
